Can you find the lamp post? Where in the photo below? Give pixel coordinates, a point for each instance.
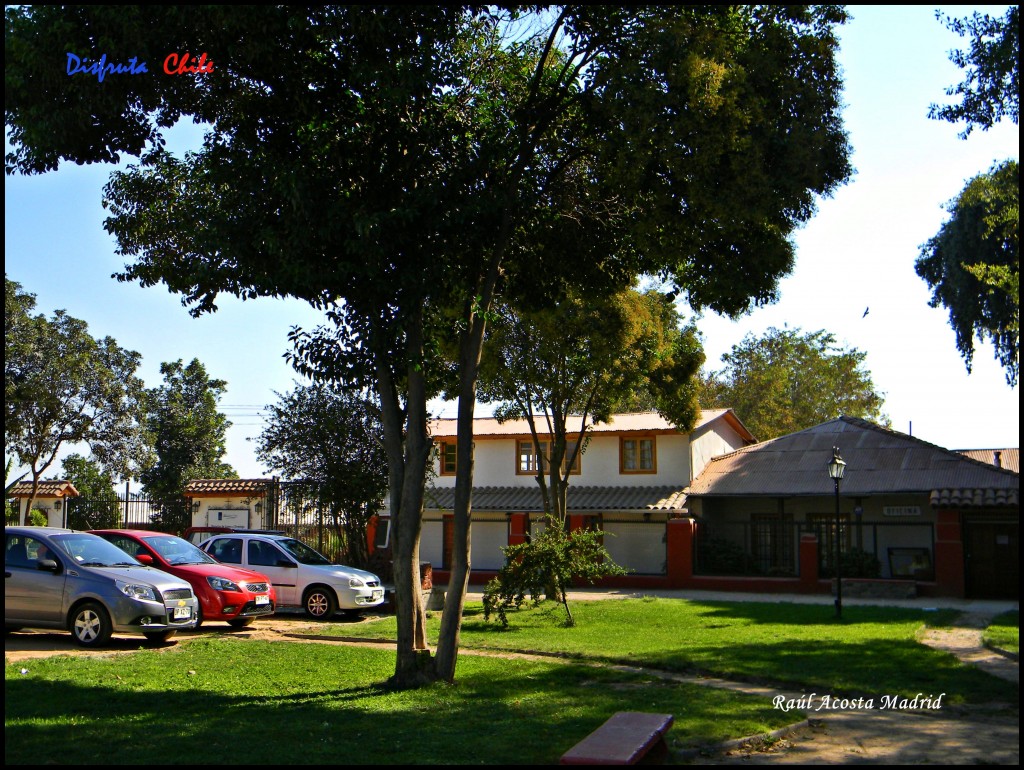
(836, 466)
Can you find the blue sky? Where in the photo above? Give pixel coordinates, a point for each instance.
(857, 253)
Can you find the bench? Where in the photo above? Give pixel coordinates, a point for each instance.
(628, 738)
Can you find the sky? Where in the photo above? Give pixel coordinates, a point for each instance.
(856, 254)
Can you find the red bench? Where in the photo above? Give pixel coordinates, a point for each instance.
(628, 738)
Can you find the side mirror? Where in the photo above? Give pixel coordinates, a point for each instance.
(48, 565)
(145, 558)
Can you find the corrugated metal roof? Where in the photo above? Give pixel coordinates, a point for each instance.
(528, 499)
(878, 461)
(52, 488)
(633, 422)
(1009, 458)
(226, 486)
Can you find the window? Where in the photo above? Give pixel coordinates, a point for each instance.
(227, 550)
(264, 554)
(529, 463)
(446, 450)
(637, 455)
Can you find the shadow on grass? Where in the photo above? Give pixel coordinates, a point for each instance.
(123, 711)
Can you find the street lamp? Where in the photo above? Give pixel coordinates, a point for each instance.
(836, 466)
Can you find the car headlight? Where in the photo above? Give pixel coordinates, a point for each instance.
(137, 590)
(355, 583)
(222, 584)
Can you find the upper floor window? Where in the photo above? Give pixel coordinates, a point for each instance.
(637, 455)
(529, 463)
(446, 451)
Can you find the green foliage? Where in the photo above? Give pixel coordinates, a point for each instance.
(38, 518)
(332, 439)
(786, 381)
(63, 387)
(858, 563)
(98, 507)
(721, 556)
(973, 266)
(991, 90)
(187, 430)
(549, 562)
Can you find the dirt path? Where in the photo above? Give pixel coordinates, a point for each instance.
(951, 735)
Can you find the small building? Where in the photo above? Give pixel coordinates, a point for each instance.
(229, 502)
(51, 499)
(937, 518)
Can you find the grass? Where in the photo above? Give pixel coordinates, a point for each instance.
(214, 699)
(872, 651)
(247, 702)
(1004, 632)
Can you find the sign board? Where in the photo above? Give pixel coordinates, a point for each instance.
(901, 510)
(228, 517)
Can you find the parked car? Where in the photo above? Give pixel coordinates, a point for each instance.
(61, 578)
(302, 576)
(225, 592)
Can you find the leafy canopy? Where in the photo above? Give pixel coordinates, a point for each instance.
(188, 432)
(786, 381)
(973, 266)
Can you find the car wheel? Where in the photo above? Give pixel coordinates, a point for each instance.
(240, 622)
(159, 637)
(319, 603)
(199, 617)
(90, 625)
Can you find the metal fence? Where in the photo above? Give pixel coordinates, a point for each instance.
(131, 513)
(771, 548)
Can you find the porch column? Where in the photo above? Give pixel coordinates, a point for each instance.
(949, 554)
(679, 537)
(808, 563)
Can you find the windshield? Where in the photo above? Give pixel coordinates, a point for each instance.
(302, 552)
(92, 551)
(177, 551)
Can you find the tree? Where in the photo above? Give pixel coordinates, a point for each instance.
(991, 90)
(565, 368)
(973, 266)
(334, 440)
(188, 433)
(75, 389)
(22, 362)
(394, 164)
(786, 381)
(98, 506)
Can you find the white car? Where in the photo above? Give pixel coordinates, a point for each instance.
(301, 576)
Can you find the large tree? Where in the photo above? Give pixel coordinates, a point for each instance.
(973, 266)
(74, 389)
(397, 162)
(570, 366)
(188, 432)
(332, 439)
(787, 380)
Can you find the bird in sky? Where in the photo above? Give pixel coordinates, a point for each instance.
(866, 312)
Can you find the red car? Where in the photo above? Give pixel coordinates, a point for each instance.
(225, 592)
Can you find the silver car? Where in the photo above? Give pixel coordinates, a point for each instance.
(61, 578)
(301, 576)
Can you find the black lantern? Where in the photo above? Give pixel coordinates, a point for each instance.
(836, 466)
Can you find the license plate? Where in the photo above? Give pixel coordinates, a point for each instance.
(262, 600)
(182, 612)
(378, 595)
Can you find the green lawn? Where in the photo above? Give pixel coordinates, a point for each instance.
(217, 699)
(1004, 632)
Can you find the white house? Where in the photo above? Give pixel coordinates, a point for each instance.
(632, 473)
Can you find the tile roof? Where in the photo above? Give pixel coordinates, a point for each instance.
(975, 498)
(51, 488)
(527, 499)
(878, 461)
(633, 422)
(227, 487)
(1009, 458)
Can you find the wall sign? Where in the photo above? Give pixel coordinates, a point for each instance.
(901, 510)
